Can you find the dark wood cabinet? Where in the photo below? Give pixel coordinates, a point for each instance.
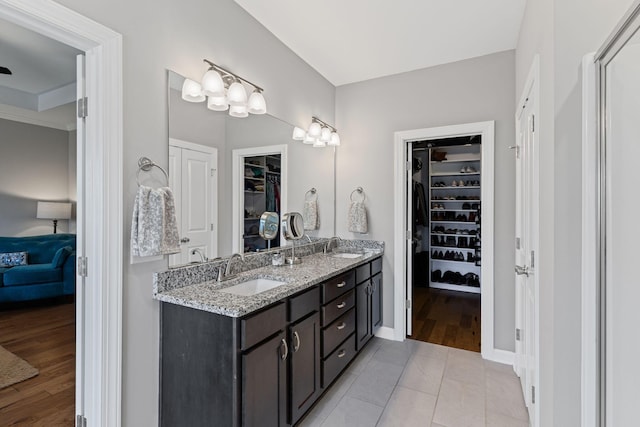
(376, 301)
(368, 302)
(304, 339)
(363, 314)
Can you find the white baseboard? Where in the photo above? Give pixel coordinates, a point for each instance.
(386, 333)
(501, 356)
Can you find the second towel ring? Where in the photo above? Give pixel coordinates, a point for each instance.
(360, 191)
(313, 193)
(145, 164)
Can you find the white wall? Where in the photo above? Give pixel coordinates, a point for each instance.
(368, 113)
(34, 166)
(167, 34)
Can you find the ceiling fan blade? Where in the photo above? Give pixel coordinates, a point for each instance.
(5, 70)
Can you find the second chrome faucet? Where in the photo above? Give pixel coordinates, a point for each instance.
(223, 274)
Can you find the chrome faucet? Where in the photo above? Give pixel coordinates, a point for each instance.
(199, 252)
(224, 274)
(308, 238)
(327, 246)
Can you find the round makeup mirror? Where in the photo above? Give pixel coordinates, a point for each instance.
(292, 226)
(268, 228)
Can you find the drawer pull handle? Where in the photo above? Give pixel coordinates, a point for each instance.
(342, 305)
(341, 284)
(296, 345)
(342, 353)
(341, 326)
(285, 348)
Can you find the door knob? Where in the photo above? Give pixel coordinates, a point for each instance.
(522, 271)
(185, 240)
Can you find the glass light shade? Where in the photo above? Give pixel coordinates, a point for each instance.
(308, 139)
(237, 94)
(256, 103)
(192, 91)
(298, 134)
(212, 84)
(335, 139)
(314, 130)
(325, 135)
(319, 144)
(217, 103)
(238, 111)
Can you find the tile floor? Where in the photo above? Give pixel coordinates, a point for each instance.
(420, 384)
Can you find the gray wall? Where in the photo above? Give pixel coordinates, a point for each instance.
(34, 165)
(561, 32)
(468, 91)
(167, 34)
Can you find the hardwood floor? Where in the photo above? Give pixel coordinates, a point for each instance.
(446, 317)
(43, 335)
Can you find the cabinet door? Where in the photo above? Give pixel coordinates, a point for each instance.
(376, 301)
(305, 365)
(264, 381)
(363, 314)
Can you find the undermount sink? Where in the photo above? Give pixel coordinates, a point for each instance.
(346, 255)
(253, 287)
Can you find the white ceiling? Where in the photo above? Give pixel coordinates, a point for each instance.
(354, 40)
(43, 79)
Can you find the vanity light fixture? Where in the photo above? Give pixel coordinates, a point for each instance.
(320, 134)
(224, 90)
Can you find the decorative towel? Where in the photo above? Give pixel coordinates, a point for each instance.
(310, 214)
(357, 217)
(154, 229)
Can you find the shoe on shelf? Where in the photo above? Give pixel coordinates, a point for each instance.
(461, 183)
(454, 183)
(463, 170)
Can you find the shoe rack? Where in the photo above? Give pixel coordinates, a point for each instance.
(454, 213)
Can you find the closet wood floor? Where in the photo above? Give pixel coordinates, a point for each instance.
(447, 318)
(44, 336)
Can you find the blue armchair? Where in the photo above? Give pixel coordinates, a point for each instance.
(50, 270)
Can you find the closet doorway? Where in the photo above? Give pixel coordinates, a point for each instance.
(444, 236)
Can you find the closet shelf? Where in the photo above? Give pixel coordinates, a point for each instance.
(467, 263)
(456, 200)
(456, 222)
(253, 192)
(451, 234)
(449, 248)
(459, 160)
(457, 188)
(454, 173)
(253, 178)
(251, 165)
(453, 210)
(452, 287)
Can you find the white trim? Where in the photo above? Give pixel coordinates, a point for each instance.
(486, 129)
(103, 199)
(503, 356)
(22, 115)
(386, 333)
(237, 187)
(589, 374)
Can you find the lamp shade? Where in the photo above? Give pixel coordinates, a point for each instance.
(212, 84)
(217, 103)
(53, 210)
(335, 139)
(237, 94)
(309, 139)
(319, 144)
(192, 91)
(256, 103)
(298, 134)
(325, 135)
(315, 130)
(238, 111)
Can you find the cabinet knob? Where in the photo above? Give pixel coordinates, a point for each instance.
(296, 344)
(341, 285)
(342, 353)
(285, 349)
(341, 326)
(342, 305)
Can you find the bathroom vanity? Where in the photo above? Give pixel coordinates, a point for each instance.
(265, 359)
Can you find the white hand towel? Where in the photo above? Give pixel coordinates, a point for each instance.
(154, 229)
(357, 217)
(310, 214)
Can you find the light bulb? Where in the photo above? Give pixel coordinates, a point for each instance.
(298, 134)
(192, 91)
(325, 135)
(217, 103)
(237, 94)
(212, 84)
(319, 144)
(308, 139)
(335, 139)
(314, 129)
(256, 103)
(238, 111)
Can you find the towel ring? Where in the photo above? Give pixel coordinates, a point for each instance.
(313, 192)
(145, 164)
(360, 191)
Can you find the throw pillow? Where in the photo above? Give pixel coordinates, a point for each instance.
(61, 256)
(11, 259)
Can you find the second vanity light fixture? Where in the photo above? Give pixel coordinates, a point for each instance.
(223, 90)
(320, 134)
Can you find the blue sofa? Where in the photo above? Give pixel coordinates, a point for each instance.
(50, 270)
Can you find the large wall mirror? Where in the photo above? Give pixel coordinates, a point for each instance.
(226, 171)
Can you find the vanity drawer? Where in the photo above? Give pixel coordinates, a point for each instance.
(376, 266)
(363, 273)
(257, 327)
(331, 311)
(335, 287)
(336, 362)
(303, 304)
(336, 332)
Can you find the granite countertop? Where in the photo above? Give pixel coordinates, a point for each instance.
(312, 270)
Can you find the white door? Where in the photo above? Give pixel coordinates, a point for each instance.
(192, 178)
(526, 243)
(409, 237)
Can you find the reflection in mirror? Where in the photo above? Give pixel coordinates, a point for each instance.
(292, 229)
(268, 228)
(206, 146)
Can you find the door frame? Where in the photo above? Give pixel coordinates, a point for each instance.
(237, 187)
(401, 138)
(99, 401)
